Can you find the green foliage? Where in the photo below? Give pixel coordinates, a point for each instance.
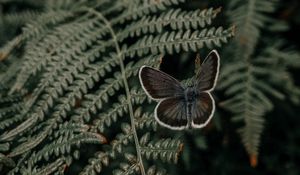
(78, 64)
(71, 103)
(255, 70)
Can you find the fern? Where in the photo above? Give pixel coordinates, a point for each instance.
(255, 75)
(78, 64)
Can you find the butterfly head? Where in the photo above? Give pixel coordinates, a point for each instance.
(190, 82)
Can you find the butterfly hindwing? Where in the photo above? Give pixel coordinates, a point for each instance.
(159, 85)
(208, 75)
(171, 113)
(203, 110)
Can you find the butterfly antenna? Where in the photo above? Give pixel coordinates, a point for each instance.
(197, 64)
(160, 60)
(197, 67)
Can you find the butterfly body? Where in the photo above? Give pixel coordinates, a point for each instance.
(182, 107)
(190, 94)
(189, 100)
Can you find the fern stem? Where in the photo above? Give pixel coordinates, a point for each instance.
(128, 98)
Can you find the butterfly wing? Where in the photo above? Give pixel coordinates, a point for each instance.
(203, 110)
(171, 113)
(159, 85)
(209, 71)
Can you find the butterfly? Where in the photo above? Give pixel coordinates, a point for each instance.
(182, 107)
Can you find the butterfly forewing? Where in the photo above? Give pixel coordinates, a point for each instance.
(159, 85)
(207, 77)
(171, 113)
(203, 110)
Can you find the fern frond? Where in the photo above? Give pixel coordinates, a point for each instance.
(143, 8)
(6, 161)
(66, 129)
(19, 129)
(139, 96)
(74, 91)
(37, 27)
(57, 165)
(247, 79)
(166, 150)
(6, 50)
(106, 119)
(19, 19)
(249, 101)
(63, 145)
(174, 42)
(73, 66)
(95, 101)
(176, 19)
(144, 120)
(58, 44)
(95, 164)
(121, 140)
(250, 94)
(4, 147)
(153, 170)
(250, 18)
(131, 167)
(31, 143)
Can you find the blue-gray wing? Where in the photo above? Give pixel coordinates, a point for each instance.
(171, 113)
(208, 74)
(203, 110)
(159, 85)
